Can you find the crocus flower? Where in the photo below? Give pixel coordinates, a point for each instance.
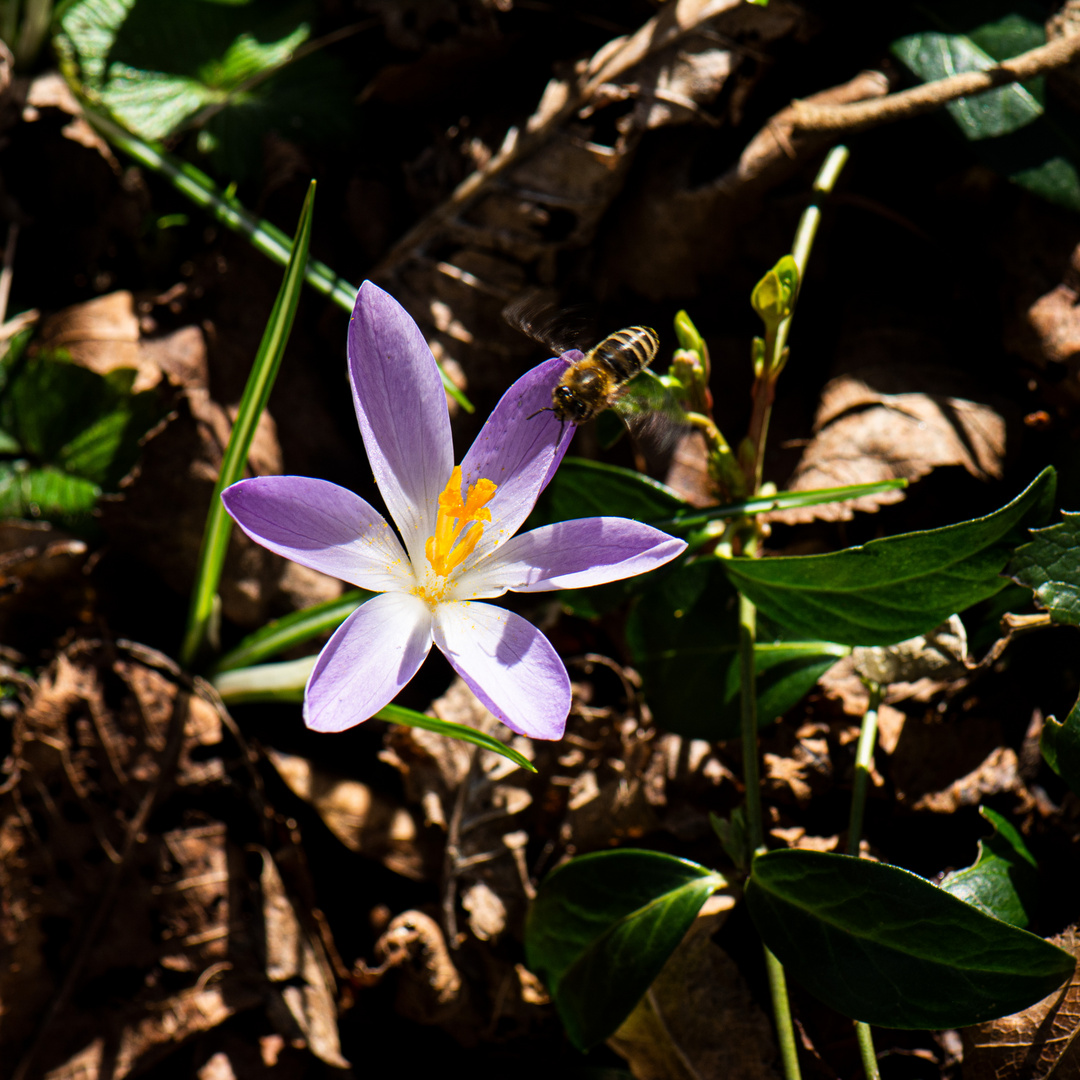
(457, 544)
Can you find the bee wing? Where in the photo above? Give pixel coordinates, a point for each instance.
(536, 314)
(653, 415)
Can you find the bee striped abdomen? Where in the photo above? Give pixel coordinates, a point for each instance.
(627, 351)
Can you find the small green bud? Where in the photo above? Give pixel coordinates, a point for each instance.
(688, 335)
(773, 297)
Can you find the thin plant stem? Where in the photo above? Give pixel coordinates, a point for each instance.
(755, 825)
(748, 702)
(806, 233)
(867, 1051)
(864, 756)
(785, 1028)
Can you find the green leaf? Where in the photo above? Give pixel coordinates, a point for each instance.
(881, 945)
(896, 588)
(1049, 565)
(73, 433)
(590, 489)
(158, 66)
(264, 369)
(1012, 129)
(292, 630)
(683, 637)
(1060, 745)
(28, 491)
(601, 928)
(1003, 880)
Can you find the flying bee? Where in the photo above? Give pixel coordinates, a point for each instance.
(613, 374)
(594, 382)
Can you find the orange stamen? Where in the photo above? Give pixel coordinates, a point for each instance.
(459, 523)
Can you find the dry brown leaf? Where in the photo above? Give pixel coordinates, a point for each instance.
(1039, 1043)
(51, 91)
(103, 335)
(296, 963)
(362, 819)
(112, 744)
(698, 1019)
(867, 430)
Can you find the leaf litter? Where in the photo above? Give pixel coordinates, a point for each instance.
(211, 956)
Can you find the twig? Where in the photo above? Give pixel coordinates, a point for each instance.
(930, 96)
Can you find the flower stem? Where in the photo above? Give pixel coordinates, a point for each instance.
(864, 756)
(785, 1029)
(867, 1051)
(748, 702)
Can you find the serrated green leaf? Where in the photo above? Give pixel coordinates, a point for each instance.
(896, 588)
(603, 925)
(684, 641)
(29, 491)
(881, 945)
(1050, 565)
(1003, 880)
(76, 433)
(157, 67)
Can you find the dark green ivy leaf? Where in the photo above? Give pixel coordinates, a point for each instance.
(881, 945)
(896, 588)
(601, 928)
(1050, 565)
(1012, 129)
(1003, 880)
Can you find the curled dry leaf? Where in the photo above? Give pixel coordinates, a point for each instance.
(699, 1018)
(888, 423)
(1036, 1044)
(430, 990)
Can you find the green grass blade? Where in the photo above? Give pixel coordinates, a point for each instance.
(782, 500)
(292, 630)
(269, 239)
(260, 382)
(396, 714)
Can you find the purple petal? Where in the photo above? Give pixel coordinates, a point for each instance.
(401, 407)
(571, 555)
(509, 665)
(519, 451)
(318, 524)
(373, 654)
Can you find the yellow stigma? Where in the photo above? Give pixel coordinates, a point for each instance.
(458, 525)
